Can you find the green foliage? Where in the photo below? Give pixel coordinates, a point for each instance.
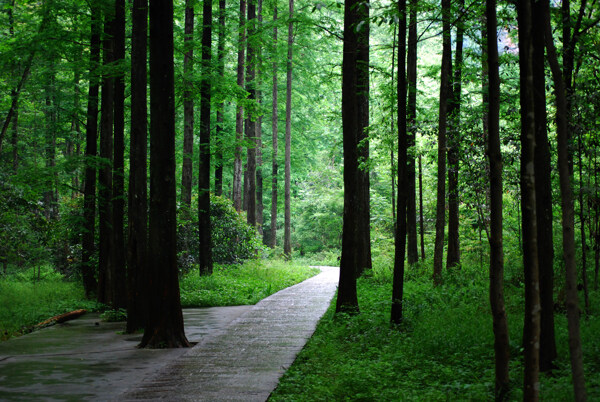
(248, 283)
(116, 315)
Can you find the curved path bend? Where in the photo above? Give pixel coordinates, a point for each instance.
(244, 361)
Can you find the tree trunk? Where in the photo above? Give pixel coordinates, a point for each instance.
(91, 150)
(205, 243)
(138, 197)
(501, 337)
(274, 130)
(221, 106)
(400, 241)
(582, 219)
(543, 196)
(421, 219)
(239, 117)
(250, 119)
(259, 160)
(568, 220)
(411, 73)
(445, 92)
(188, 105)
(164, 325)
(287, 232)
(531, 328)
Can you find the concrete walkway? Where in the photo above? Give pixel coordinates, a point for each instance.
(240, 355)
(244, 361)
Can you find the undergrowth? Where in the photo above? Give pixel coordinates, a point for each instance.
(442, 351)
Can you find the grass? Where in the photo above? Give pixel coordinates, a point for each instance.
(248, 283)
(442, 351)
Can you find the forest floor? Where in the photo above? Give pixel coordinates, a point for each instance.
(243, 350)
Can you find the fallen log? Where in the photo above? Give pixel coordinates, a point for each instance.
(58, 319)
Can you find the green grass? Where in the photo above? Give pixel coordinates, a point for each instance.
(442, 351)
(248, 283)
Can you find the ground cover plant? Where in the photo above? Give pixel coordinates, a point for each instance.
(442, 351)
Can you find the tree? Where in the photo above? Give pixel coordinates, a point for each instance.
(250, 126)
(274, 129)
(501, 339)
(411, 76)
(188, 105)
(206, 263)
(287, 224)
(239, 117)
(445, 93)
(137, 248)
(164, 325)
(221, 106)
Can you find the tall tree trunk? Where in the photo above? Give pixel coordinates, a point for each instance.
(453, 258)
(250, 119)
(582, 219)
(347, 300)
(400, 241)
(119, 284)
(411, 73)
(259, 160)
(501, 337)
(287, 224)
(568, 220)
(531, 328)
(91, 150)
(393, 127)
(445, 93)
(188, 105)
(221, 106)
(543, 195)
(164, 325)
(421, 219)
(205, 246)
(274, 130)
(138, 197)
(51, 117)
(106, 245)
(239, 117)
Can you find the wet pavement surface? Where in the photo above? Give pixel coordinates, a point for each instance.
(240, 353)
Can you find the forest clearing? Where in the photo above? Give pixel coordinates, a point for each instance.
(161, 154)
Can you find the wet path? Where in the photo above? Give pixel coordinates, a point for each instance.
(241, 353)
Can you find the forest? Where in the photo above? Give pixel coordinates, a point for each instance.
(443, 154)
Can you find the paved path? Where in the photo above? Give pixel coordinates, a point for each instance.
(243, 362)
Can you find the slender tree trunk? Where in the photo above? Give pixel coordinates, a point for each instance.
(15, 97)
(445, 92)
(205, 246)
(188, 105)
(259, 160)
(138, 198)
(543, 196)
(347, 300)
(251, 120)
(531, 328)
(568, 220)
(501, 337)
(91, 150)
(287, 232)
(453, 258)
(105, 269)
(393, 126)
(421, 219)
(221, 106)
(400, 241)
(411, 73)
(164, 325)
(239, 117)
(274, 130)
(582, 218)
(51, 117)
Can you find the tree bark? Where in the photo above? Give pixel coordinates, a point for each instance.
(205, 246)
(137, 248)
(239, 117)
(445, 92)
(501, 336)
(287, 224)
(259, 144)
(250, 127)
(568, 220)
(274, 130)
(188, 105)
(421, 219)
(221, 106)
(164, 325)
(411, 206)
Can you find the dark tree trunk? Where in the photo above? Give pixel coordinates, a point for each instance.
(445, 93)
(393, 126)
(411, 73)
(51, 117)
(251, 120)
(400, 249)
(91, 150)
(164, 325)
(259, 160)
(421, 219)
(287, 224)
(274, 130)
(106, 245)
(453, 258)
(221, 106)
(568, 220)
(501, 338)
(138, 197)
(205, 246)
(583, 218)
(543, 195)
(119, 284)
(531, 328)
(239, 117)
(188, 105)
